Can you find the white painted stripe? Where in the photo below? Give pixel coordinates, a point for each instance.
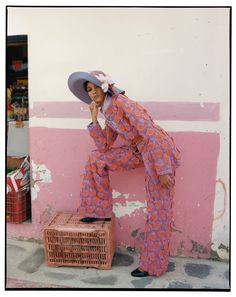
(14, 183)
(172, 126)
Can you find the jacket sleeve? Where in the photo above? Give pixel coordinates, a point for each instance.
(103, 138)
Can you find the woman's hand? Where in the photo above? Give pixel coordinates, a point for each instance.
(166, 181)
(94, 111)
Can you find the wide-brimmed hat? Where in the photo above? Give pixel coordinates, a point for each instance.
(77, 80)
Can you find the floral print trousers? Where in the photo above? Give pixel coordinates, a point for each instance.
(96, 201)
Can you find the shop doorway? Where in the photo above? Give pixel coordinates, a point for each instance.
(18, 198)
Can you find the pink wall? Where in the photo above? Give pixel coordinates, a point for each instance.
(189, 111)
(65, 151)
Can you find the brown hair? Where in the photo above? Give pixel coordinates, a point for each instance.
(85, 85)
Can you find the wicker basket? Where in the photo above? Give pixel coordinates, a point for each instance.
(70, 242)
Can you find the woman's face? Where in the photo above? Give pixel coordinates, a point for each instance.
(95, 93)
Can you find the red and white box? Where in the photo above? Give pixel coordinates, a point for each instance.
(20, 177)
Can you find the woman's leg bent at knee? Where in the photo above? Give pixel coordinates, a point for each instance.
(96, 193)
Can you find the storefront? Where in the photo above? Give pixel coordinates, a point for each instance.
(18, 168)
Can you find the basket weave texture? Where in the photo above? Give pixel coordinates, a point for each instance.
(70, 242)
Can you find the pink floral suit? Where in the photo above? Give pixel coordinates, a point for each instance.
(156, 152)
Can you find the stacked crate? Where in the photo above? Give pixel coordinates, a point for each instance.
(18, 206)
(18, 200)
(70, 242)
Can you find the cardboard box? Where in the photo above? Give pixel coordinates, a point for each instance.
(19, 177)
(14, 162)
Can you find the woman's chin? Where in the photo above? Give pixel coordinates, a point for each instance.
(99, 102)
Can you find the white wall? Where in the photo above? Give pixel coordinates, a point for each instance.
(165, 54)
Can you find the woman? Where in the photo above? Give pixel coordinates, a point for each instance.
(148, 145)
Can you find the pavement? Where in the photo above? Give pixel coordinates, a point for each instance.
(26, 268)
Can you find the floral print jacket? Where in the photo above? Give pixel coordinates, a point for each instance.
(129, 119)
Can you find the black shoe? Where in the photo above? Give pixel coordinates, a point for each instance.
(139, 273)
(107, 219)
(91, 220)
(88, 220)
